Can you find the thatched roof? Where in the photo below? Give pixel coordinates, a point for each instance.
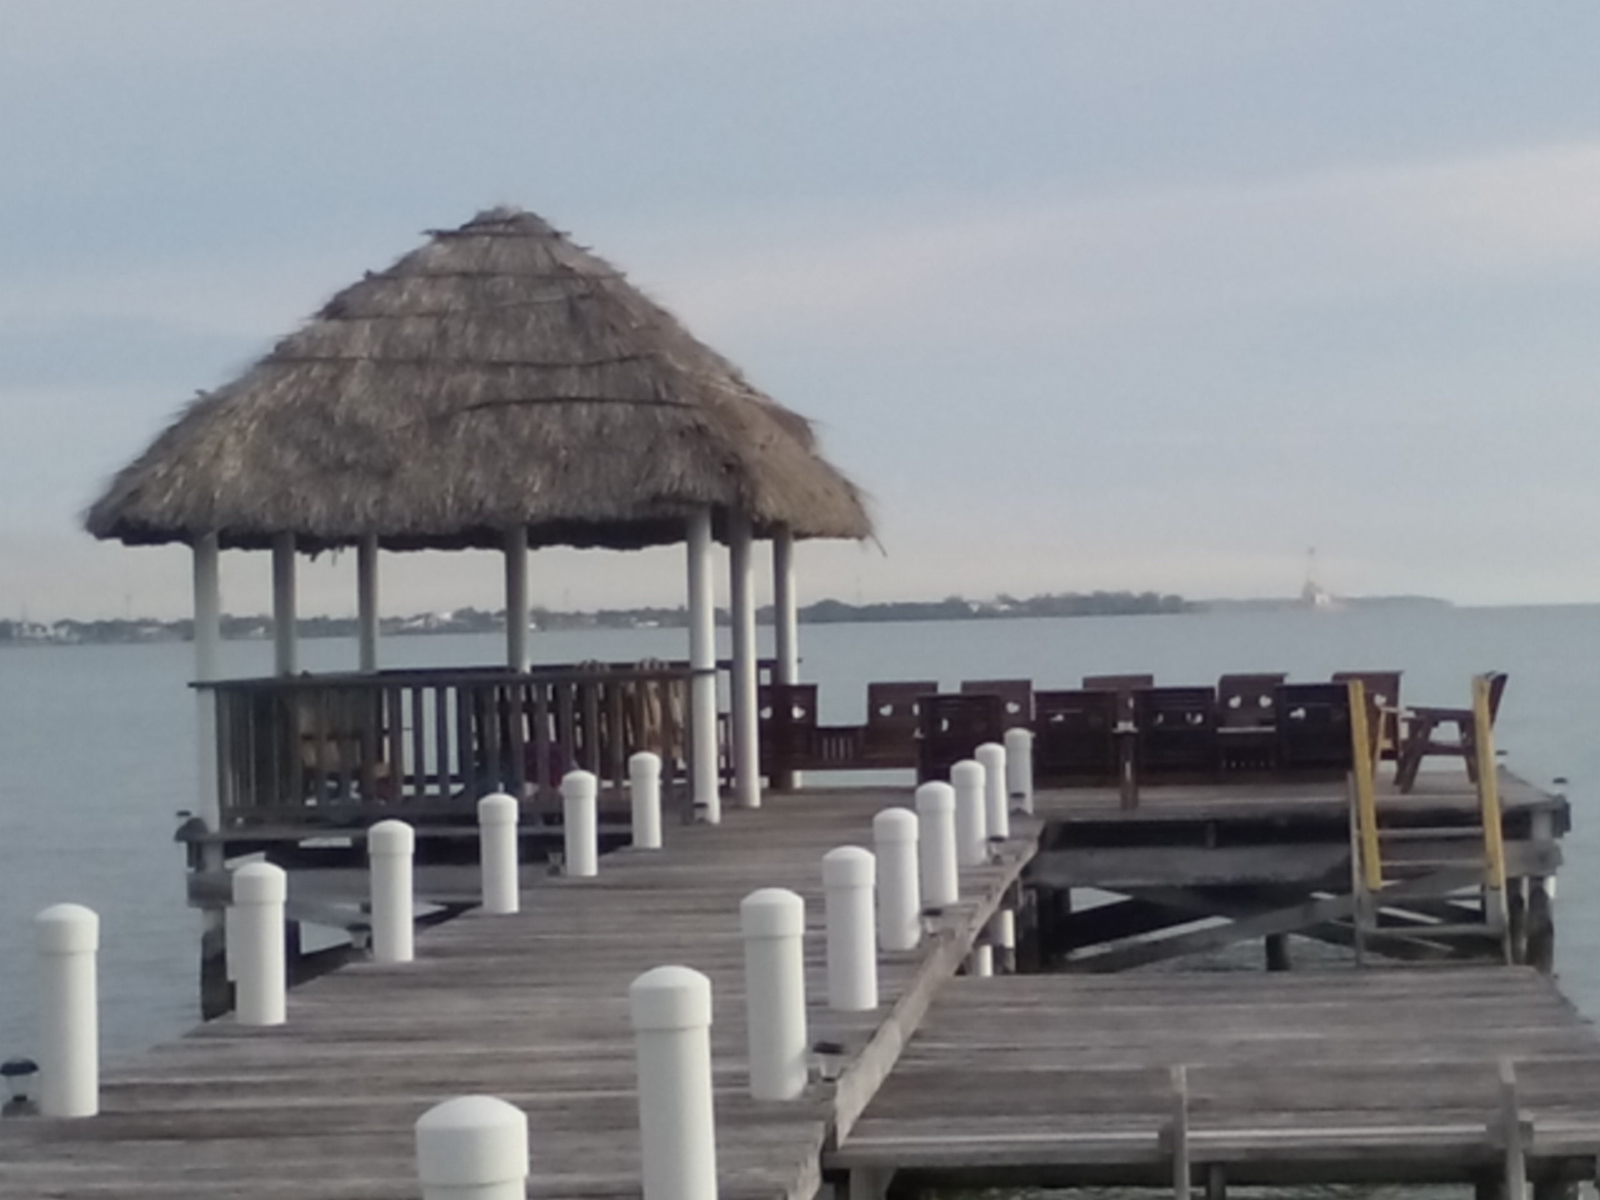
(499, 376)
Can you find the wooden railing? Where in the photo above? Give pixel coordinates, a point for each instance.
(341, 750)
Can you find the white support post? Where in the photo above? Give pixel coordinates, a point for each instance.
(671, 1013)
(68, 939)
(207, 652)
(785, 622)
(1019, 769)
(390, 846)
(284, 618)
(972, 830)
(937, 857)
(773, 922)
(742, 601)
(644, 794)
(256, 948)
(848, 877)
(498, 814)
(991, 757)
(367, 602)
(581, 832)
(894, 840)
(703, 666)
(473, 1148)
(980, 963)
(1003, 937)
(517, 599)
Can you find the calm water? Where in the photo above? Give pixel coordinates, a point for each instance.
(96, 749)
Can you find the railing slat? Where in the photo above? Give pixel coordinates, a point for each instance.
(541, 743)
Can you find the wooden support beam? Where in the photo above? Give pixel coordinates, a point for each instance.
(1513, 1136)
(1178, 1134)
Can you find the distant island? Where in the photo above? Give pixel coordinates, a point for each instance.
(822, 612)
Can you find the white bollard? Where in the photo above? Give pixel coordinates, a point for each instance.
(497, 853)
(894, 840)
(980, 963)
(260, 972)
(996, 812)
(773, 921)
(671, 1011)
(644, 790)
(390, 846)
(578, 791)
(68, 938)
(1003, 937)
(972, 828)
(1019, 769)
(473, 1148)
(936, 845)
(847, 877)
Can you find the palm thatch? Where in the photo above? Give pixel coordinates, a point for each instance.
(499, 376)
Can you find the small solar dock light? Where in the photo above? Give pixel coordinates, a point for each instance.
(20, 1075)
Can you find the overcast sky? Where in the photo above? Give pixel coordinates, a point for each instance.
(1085, 295)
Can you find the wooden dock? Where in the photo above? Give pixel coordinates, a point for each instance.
(532, 1008)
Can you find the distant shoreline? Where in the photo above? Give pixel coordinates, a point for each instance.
(258, 627)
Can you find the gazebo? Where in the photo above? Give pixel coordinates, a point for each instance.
(500, 387)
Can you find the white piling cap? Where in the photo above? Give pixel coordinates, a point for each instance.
(1019, 740)
(991, 755)
(849, 866)
(644, 762)
(260, 883)
(472, 1140)
(772, 913)
(895, 825)
(968, 773)
(670, 998)
(576, 785)
(67, 929)
(936, 798)
(391, 837)
(497, 808)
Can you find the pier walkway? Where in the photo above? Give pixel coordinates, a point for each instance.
(532, 1008)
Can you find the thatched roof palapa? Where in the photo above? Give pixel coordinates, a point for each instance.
(498, 376)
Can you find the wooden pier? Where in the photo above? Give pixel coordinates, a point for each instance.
(1395, 1074)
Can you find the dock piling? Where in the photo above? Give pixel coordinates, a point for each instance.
(773, 922)
(68, 941)
(848, 876)
(578, 790)
(972, 827)
(644, 794)
(938, 861)
(894, 840)
(1019, 769)
(671, 1013)
(497, 853)
(257, 946)
(390, 846)
(472, 1148)
(991, 756)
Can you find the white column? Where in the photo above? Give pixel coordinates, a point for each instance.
(367, 601)
(773, 922)
(207, 651)
(972, 830)
(742, 601)
(996, 811)
(644, 795)
(785, 608)
(473, 1148)
(703, 664)
(283, 605)
(894, 840)
(256, 949)
(848, 876)
(937, 857)
(517, 599)
(671, 1013)
(581, 830)
(1019, 769)
(497, 853)
(68, 939)
(390, 845)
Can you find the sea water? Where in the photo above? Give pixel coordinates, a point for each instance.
(97, 754)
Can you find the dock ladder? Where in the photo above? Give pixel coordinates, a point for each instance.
(1415, 882)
